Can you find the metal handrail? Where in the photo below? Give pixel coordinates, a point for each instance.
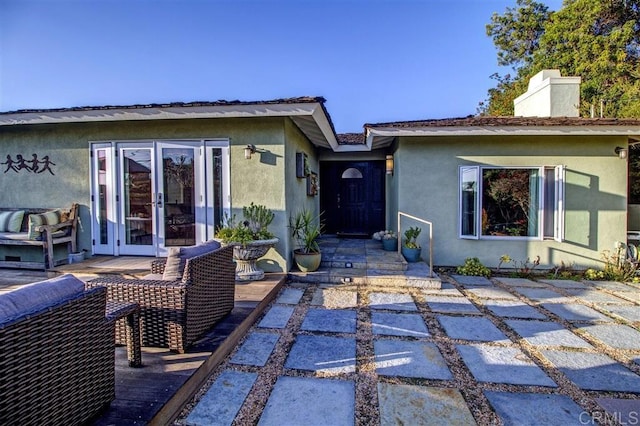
(400, 214)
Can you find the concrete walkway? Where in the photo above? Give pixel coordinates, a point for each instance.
(476, 351)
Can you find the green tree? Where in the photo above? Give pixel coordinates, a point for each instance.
(598, 40)
(500, 101)
(517, 33)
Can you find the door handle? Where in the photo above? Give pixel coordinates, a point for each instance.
(338, 200)
(159, 200)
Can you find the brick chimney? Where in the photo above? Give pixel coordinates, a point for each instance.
(549, 95)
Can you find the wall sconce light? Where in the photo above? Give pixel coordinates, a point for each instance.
(622, 152)
(250, 149)
(389, 164)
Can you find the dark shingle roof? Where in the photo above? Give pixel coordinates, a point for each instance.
(351, 139)
(303, 99)
(482, 121)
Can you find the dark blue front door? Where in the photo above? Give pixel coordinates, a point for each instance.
(352, 197)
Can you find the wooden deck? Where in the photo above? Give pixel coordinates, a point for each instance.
(156, 392)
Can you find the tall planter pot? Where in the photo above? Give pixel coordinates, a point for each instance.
(412, 255)
(246, 257)
(307, 262)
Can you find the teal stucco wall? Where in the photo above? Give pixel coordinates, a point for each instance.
(296, 188)
(260, 180)
(426, 185)
(67, 147)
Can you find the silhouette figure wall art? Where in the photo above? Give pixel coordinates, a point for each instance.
(34, 165)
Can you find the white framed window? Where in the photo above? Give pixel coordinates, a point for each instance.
(511, 202)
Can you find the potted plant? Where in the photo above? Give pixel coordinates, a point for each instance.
(410, 247)
(250, 239)
(306, 229)
(388, 239)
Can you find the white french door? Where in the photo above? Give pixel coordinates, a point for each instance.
(136, 200)
(103, 214)
(157, 194)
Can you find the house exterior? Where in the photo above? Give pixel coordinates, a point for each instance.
(149, 177)
(567, 174)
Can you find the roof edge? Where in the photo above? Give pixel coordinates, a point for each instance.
(502, 121)
(221, 102)
(307, 106)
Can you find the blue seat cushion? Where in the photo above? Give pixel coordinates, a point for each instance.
(34, 297)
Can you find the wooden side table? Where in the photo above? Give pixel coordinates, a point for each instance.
(130, 311)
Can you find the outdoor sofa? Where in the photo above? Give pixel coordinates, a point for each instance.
(182, 298)
(28, 236)
(57, 362)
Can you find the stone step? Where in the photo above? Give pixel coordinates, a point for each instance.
(416, 275)
(375, 260)
(399, 265)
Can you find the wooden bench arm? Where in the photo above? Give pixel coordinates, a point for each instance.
(53, 228)
(61, 233)
(48, 238)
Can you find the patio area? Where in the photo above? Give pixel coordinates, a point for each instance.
(157, 391)
(370, 340)
(476, 351)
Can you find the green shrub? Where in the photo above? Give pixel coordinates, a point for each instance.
(617, 267)
(254, 227)
(565, 272)
(593, 275)
(520, 269)
(473, 267)
(257, 219)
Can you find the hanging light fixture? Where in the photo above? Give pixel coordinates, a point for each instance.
(250, 149)
(389, 164)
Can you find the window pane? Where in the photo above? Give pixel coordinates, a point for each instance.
(101, 208)
(137, 197)
(558, 203)
(179, 196)
(468, 201)
(217, 187)
(510, 202)
(549, 202)
(634, 174)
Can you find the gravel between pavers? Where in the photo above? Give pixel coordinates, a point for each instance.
(366, 378)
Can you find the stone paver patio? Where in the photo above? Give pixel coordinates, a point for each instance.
(477, 351)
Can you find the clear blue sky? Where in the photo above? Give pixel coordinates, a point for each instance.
(373, 60)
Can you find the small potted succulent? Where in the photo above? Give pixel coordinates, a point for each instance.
(388, 238)
(306, 229)
(410, 247)
(250, 239)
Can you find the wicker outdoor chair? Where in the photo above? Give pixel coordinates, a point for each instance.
(57, 363)
(177, 307)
